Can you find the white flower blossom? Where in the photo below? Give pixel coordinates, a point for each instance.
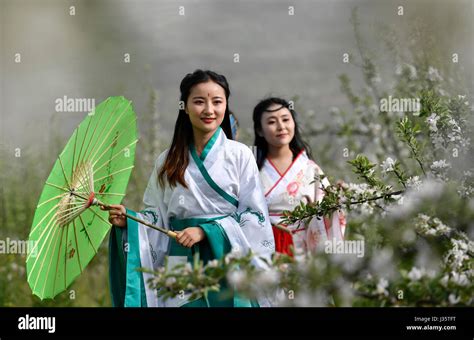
(433, 74)
(213, 263)
(358, 189)
(413, 73)
(399, 199)
(453, 299)
(267, 278)
(424, 218)
(381, 286)
(440, 227)
(444, 281)
(431, 227)
(414, 182)
(411, 69)
(366, 209)
(452, 122)
(188, 268)
(432, 120)
(460, 279)
(415, 274)
(438, 141)
(457, 254)
(170, 281)
(236, 278)
(388, 165)
(470, 246)
(234, 254)
(460, 244)
(441, 164)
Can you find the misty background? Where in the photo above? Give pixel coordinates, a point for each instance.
(82, 55)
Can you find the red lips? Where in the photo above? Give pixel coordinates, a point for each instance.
(208, 120)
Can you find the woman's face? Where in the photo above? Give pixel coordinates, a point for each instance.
(278, 128)
(206, 107)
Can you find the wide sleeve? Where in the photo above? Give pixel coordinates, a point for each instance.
(249, 228)
(252, 211)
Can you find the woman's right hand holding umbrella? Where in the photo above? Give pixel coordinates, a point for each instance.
(116, 214)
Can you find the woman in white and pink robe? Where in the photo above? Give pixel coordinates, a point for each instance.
(289, 176)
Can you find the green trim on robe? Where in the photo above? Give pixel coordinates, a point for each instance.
(210, 144)
(209, 180)
(116, 267)
(126, 283)
(135, 295)
(199, 160)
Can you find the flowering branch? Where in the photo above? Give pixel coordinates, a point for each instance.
(407, 132)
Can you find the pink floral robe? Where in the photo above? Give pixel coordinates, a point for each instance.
(286, 191)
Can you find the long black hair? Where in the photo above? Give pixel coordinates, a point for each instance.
(177, 159)
(297, 144)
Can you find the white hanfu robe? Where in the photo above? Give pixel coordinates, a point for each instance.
(286, 191)
(224, 197)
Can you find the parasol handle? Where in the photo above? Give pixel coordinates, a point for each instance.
(169, 233)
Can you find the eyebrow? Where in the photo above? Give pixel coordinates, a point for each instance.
(282, 116)
(201, 97)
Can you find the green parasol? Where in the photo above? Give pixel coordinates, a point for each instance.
(93, 169)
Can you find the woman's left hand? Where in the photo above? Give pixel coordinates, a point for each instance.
(190, 236)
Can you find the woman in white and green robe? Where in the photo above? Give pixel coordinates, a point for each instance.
(221, 207)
